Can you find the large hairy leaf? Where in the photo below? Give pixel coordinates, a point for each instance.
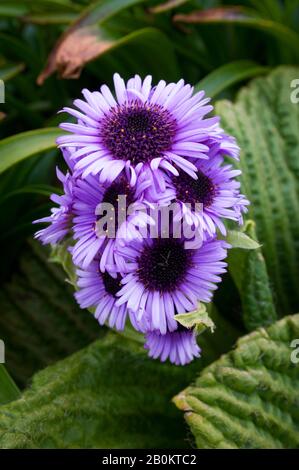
(109, 395)
(266, 125)
(249, 397)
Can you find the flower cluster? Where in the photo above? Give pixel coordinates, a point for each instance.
(153, 148)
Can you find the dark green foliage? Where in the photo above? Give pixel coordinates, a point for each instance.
(40, 321)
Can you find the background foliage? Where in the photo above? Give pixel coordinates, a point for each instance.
(49, 50)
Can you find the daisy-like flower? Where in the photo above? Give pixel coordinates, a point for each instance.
(140, 127)
(162, 278)
(206, 201)
(89, 195)
(179, 346)
(98, 291)
(61, 217)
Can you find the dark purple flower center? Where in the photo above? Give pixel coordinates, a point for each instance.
(120, 187)
(112, 285)
(163, 265)
(189, 190)
(137, 131)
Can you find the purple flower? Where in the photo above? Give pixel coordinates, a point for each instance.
(61, 217)
(130, 154)
(162, 278)
(98, 290)
(89, 194)
(179, 346)
(141, 127)
(206, 201)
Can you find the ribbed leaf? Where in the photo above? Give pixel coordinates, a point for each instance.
(21, 146)
(109, 395)
(249, 272)
(266, 125)
(249, 397)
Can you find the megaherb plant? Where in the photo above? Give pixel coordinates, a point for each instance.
(240, 390)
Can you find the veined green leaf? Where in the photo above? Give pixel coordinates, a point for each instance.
(239, 239)
(21, 146)
(8, 389)
(265, 123)
(249, 397)
(84, 400)
(228, 75)
(199, 320)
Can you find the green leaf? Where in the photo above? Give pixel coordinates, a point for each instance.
(40, 189)
(239, 239)
(68, 56)
(8, 389)
(61, 255)
(150, 41)
(199, 320)
(228, 75)
(40, 321)
(266, 125)
(249, 397)
(167, 6)
(50, 18)
(242, 17)
(21, 146)
(87, 401)
(249, 272)
(9, 71)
